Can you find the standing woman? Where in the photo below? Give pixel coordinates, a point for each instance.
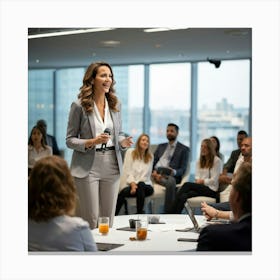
(96, 169)
(208, 169)
(137, 170)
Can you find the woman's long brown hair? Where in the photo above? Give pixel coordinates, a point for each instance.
(207, 161)
(86, 90)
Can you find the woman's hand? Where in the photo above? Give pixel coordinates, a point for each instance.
(99, 139)
(133, 188)
(199, 181)
(127, 142)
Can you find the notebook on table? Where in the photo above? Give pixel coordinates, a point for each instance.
(107, 246)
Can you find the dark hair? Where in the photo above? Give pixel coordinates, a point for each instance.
(42, 123)
(44, 136)
(242, 132)
(242, 183)
(136, 152)
(51, 189)
(217, 149)
(174, 125)
(86, 90)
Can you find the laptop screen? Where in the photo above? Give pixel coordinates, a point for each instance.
(191, 215)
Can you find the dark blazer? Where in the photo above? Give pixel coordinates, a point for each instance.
(230, 164)
(178, 161)
(227, 237)
(51, 141)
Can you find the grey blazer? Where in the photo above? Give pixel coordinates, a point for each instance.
(81, 127)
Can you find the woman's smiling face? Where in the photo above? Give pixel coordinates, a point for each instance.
(103, 79)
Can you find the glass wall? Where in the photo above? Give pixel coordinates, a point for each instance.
(169, 100)
(68, 83)
(223, 102)
(130, 91)
(164, 94)
(41, 98)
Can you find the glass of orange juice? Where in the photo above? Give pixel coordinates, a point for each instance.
(103, 225)
(141, 229)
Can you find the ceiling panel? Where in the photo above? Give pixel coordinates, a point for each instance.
(136, 46)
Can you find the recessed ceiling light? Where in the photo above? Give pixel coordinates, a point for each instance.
(110, 43)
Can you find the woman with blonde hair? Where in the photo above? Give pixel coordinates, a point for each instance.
(138, 165)
(51, 206)
(208, 168)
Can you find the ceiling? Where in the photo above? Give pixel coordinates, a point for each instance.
(136, 46)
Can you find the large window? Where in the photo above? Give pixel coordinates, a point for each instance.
(130, 90)
(163, 93)
(223, 102)
(68, 83)
(40, 98)
(170, 100)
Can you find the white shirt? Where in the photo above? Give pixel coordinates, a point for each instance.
(100, 126)
(137, 170)
(238, 163)
(167, 155)
(210, 175)
(34, 156)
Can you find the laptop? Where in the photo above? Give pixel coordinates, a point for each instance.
(196, 227)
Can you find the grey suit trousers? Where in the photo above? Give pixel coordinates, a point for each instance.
(98, 191)
(170, 185)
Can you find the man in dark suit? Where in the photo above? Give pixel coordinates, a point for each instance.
(51, 141)
(229, 166)
(236, 236)
(173, 156)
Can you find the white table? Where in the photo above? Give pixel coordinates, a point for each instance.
(161, 238)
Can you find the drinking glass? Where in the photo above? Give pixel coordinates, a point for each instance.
(103, 225)
(141, 229)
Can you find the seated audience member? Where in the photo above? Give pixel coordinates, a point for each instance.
(236, 236)
(37, 147)
(137, 168)
(51, 206)
(208, 169)
(51, 140)
(173, 156)
(229, 166)
(246, 156)
(216, 142)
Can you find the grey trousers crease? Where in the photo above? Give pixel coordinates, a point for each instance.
(98, 192)
(170, 185)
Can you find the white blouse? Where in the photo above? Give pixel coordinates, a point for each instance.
(210, 175)
(100, 126)
(137, 170)
(34, 156)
